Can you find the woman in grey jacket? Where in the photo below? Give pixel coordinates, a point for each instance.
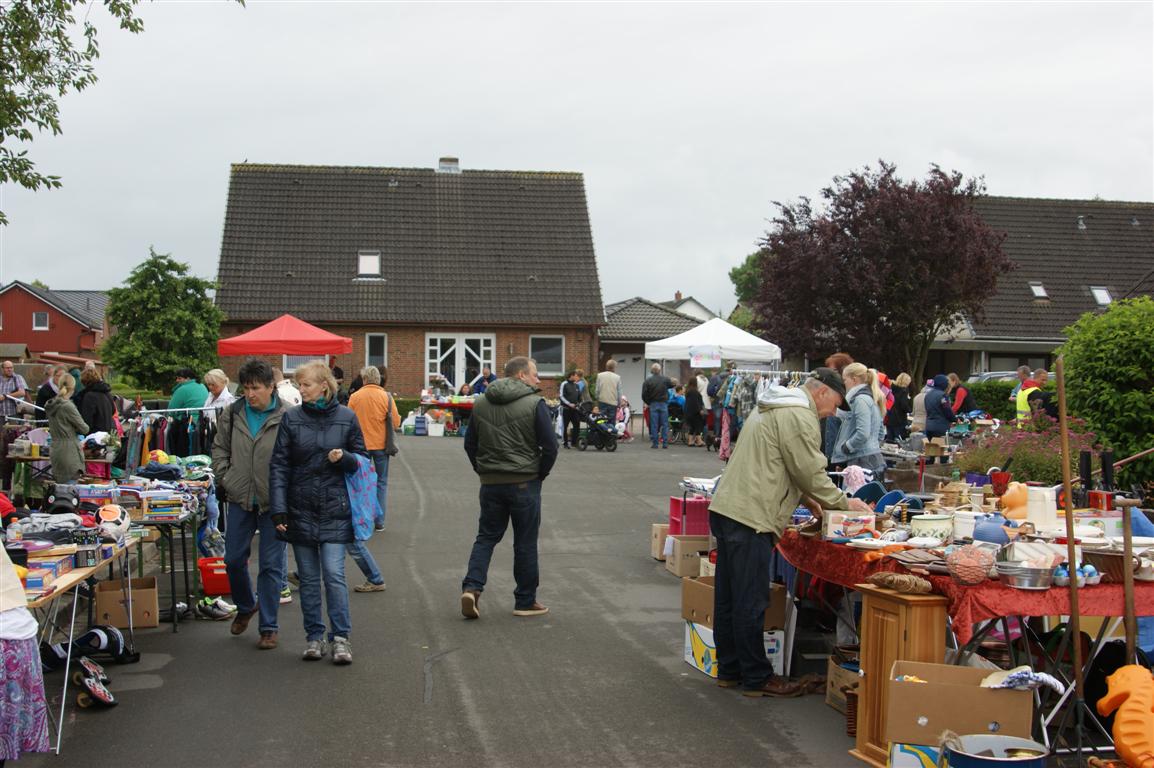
(862, 427)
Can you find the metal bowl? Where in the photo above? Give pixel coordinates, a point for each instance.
(1026, 578)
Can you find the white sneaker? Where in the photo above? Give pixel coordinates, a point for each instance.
(342, 651)
(314, 651)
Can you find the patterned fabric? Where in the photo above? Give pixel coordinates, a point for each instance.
(23, 707)
(8, 385)
(363, 503)
(725, 449)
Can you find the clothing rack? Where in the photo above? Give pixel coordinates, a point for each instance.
(150, 411)
(776, 373)
(24, 402)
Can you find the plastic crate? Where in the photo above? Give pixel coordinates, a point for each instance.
(213, 576)
(688, 518)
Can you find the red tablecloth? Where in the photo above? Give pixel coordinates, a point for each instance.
(843, 565)
(466, 406)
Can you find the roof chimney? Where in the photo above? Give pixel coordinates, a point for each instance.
(677, 296)
(1081, 222)
(449, 165)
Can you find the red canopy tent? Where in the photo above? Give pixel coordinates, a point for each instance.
(285, 336)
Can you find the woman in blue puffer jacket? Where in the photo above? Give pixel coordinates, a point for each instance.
(309, 502)
(939, 412)
(859, 437)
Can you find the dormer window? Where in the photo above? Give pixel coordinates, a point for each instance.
(1038, 290)
(1101, 295)
(368, 263)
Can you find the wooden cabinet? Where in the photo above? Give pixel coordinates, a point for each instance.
(894, 627)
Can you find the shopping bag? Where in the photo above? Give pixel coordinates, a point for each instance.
(364, 506)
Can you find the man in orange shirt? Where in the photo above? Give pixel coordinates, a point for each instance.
(377, 412)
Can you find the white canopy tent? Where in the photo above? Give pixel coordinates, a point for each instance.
(717, 339)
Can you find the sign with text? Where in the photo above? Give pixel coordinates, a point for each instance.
(705, 356)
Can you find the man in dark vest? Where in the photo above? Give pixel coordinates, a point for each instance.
(512, 447)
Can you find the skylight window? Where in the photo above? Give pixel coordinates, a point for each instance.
(1101, 295)
(1039, 290)
(368, 263)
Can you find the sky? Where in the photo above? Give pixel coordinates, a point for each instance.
(688, 120)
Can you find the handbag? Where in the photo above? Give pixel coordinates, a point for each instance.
(364, 507)
(390, 434)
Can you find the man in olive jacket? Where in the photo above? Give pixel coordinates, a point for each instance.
(246, 433)
(512, 446)
(777, 463)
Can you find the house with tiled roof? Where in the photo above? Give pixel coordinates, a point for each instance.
(433, 272)
(1070, 257)
(66, 325)
(688, 305)
(629, 325)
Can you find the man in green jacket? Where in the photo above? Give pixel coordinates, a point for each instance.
(512, 446)
(778, 462)
(246, 433)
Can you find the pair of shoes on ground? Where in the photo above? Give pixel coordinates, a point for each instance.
(215, 608)
(342, 650)
(369, 586)
(780, 687)
(470, 602)
(663, 445)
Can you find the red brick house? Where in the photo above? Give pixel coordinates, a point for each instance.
(65, 325)
(431, 272)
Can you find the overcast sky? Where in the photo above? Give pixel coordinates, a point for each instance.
(687, 120)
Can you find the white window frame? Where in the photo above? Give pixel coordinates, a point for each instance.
(361, 263)
(297, 362)
(385, 357)
(460, 362)
(543, 373)
(37, 327)
(1039, 290)
(1100, 292)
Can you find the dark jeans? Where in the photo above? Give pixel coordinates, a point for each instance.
(243, 524)
(740, 597)
(500, 504)
(659, 423)
(609, 411)
(570, 418)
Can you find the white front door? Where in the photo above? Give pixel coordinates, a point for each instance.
(457, 358)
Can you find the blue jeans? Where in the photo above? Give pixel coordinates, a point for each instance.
(364, 560)
(740, 597)
(381, 463)
(659, 422)
(519, 503)
(242, 525)
(314, 563)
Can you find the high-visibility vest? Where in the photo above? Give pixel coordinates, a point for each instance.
(1024, 403)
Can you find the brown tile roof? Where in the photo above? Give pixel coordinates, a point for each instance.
(639, 319)
(1114, 250)
(492, 247)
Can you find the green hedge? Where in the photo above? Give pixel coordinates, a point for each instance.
(993, 397)
(406, 404)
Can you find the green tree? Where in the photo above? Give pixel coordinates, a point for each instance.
(1110, 379)
(163, 320)
(44, 54)
(746, 278)
(40, 284)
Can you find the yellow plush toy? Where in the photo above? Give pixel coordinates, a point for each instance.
(1015, 500)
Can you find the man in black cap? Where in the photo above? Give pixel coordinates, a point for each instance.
(777, 463)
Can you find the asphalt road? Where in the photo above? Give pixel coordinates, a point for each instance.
(599, 681)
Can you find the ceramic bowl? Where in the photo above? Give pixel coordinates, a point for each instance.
(935, 526)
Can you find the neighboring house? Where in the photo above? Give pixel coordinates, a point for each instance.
(434, 273)
(56, 325)
(628, 326)
(689, 306)
(1071, 257)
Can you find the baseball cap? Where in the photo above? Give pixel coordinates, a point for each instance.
(831, 379)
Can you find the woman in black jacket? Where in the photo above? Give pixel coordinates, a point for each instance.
(95, 402)
(897, 420)
(694, 413)
(310, 504)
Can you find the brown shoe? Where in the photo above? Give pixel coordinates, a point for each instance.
(778, 687)
(723, 683)
(267, 641)
(241, 620)
(812, 683)
(470, 600)
(534, 610)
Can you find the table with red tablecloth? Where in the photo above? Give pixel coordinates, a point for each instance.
(846, 566)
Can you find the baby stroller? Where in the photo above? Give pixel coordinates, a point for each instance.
(676, 423)
(598, 433)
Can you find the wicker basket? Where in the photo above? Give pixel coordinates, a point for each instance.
(1110, 564)
(970, 565)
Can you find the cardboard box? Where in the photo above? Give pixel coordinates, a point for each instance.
(706, 568)
(701, 653)
(38, 578)
(110, 603)
(951, 698)
(935, 446)
(833, 523)
(914, 756)
(836, 678)
(697, 603)
(657, 541)
(686, 551)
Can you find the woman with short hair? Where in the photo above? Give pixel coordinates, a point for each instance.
(219, 392)
(94, 402)
(316, 447)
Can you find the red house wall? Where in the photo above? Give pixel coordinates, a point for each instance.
(64, 334)
(406, 351)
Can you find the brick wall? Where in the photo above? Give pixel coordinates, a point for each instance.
(406, 351)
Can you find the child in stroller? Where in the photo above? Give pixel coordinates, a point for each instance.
(676, 418)
(598, 433)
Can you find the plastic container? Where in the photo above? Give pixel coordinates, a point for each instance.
(987, 751)
(435, 429)
(213, 576)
